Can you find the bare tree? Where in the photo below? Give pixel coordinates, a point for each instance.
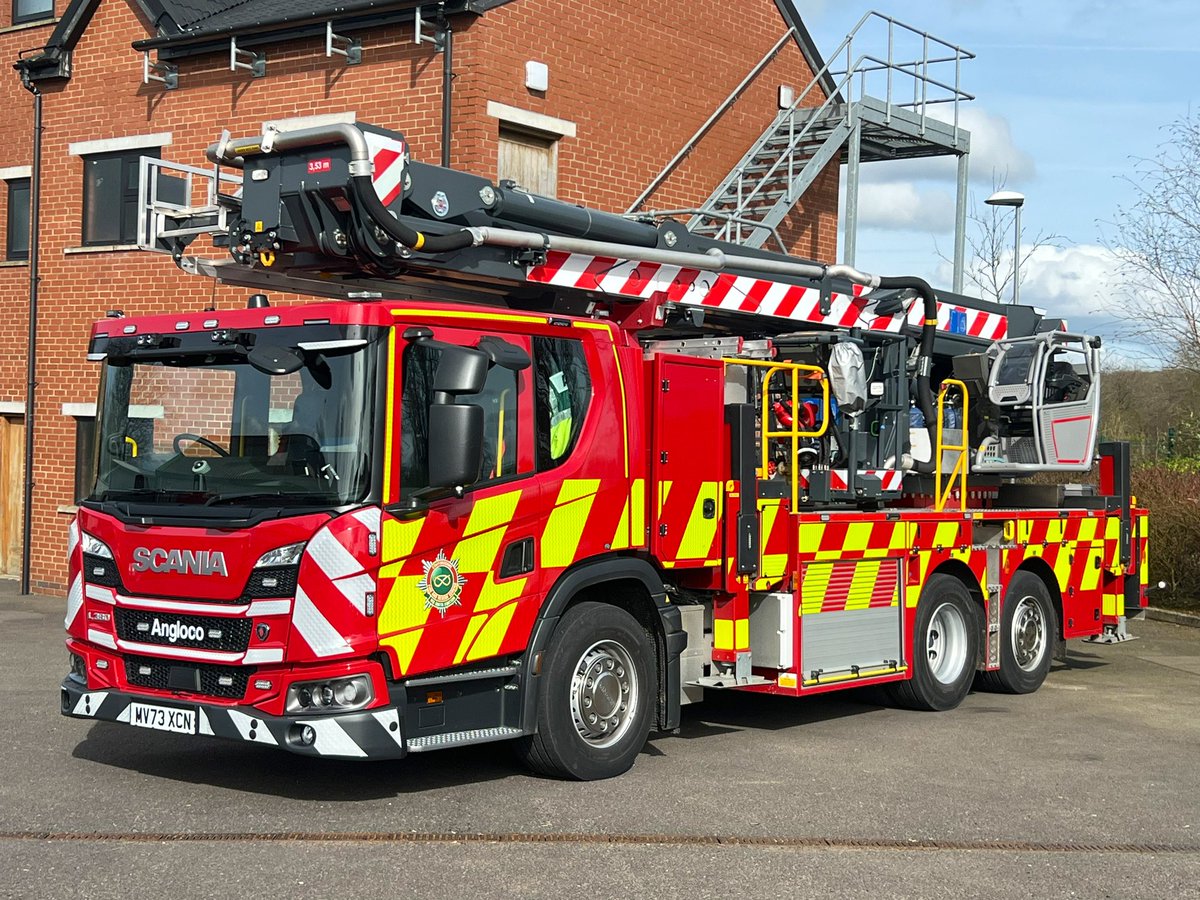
(989, 265)
(1157, 238)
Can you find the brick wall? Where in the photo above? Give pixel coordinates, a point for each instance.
(637, 77)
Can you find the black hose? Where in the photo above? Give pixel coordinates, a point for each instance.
(924, 357)
(364, 192)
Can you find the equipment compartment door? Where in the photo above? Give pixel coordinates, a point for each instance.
(851, 620)
(688, 460)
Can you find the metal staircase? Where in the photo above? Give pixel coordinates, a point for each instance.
(870, 107)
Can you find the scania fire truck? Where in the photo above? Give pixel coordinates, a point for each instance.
(539, 473)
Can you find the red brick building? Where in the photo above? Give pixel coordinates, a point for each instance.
(586, 101)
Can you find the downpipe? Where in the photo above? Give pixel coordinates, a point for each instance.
(35, 194)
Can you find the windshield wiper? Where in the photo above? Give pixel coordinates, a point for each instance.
(274, 496)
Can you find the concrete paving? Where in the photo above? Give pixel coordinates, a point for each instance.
(1090, 787)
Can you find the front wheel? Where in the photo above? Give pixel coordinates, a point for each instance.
(945, 648)
(595, 698)
(1028, 629)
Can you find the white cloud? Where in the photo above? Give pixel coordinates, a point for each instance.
(1083, 284)
(903, 206)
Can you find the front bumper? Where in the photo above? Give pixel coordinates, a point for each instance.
(369, 734)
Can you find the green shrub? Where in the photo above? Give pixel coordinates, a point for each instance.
(1172, 494)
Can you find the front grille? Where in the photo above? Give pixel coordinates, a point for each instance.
(171, 629)
(101, 570)
(274, 581)
(228, 682)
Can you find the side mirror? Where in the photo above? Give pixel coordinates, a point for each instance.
(461, 370)
(455, 443)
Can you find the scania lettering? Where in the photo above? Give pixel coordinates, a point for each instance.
(537, 473)
(189, 562)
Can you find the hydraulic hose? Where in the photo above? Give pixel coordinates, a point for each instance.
(364, 193)
(924, 357)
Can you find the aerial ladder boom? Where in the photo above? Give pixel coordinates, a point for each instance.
(342, 210)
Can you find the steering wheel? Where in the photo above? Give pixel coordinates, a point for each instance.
(187, 436)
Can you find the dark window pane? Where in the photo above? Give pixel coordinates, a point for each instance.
(110, 191)
(85, 457)
(17, 232)
(101, 199)
(29, 10)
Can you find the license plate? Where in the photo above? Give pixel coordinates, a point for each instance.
(162, 718)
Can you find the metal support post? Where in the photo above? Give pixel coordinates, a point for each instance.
(1017, 259)
(853, 164)
(960, 222)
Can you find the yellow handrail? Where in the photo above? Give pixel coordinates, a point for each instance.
(962, 448)
(794, 434)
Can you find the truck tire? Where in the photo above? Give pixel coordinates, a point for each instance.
(596, 696)
(1028, 629)
(945, 648)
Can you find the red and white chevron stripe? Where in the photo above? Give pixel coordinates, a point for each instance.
(839, 479)
(335, 594)
(388, 156)
(743, 293)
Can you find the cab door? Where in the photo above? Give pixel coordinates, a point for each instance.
(455, 568)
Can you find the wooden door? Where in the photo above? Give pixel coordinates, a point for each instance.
(12, 470)
(529, 160)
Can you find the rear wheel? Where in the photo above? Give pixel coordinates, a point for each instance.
(945, 648)
(595, 696)
(1027, 632)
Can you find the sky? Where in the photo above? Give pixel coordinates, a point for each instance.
(1070, 94)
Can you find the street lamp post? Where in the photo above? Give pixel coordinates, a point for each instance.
(1016, 201)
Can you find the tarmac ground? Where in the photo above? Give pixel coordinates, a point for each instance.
(1088, 788)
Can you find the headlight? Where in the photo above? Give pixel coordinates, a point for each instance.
(332, 695)
(282, 556)
(95, 547)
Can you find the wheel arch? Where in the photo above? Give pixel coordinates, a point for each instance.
(631, 584)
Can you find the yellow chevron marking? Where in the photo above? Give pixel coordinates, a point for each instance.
(1087, 529)
(405, 606)
(620, 538)
(858, 535)
(699, 534)
(1112, 528)
(1062, 565)
(810, 533)
(472, 630)
(405, 645)
(664, 490)
(491, 512)
(492, 634)
(946, 535)
(1108, 605)
(1055, 530)
(399, 538)
(813, 588)
(722, 634)
(637, 513)
(773, 566)
(741, 634)
(899, 539)
(564, 528)
(862, 584)
(1091, 571)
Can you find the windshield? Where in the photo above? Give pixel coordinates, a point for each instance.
(193, 423)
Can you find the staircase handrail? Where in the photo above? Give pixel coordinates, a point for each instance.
(710, 121)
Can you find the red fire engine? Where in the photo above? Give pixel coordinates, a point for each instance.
(590, 468)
